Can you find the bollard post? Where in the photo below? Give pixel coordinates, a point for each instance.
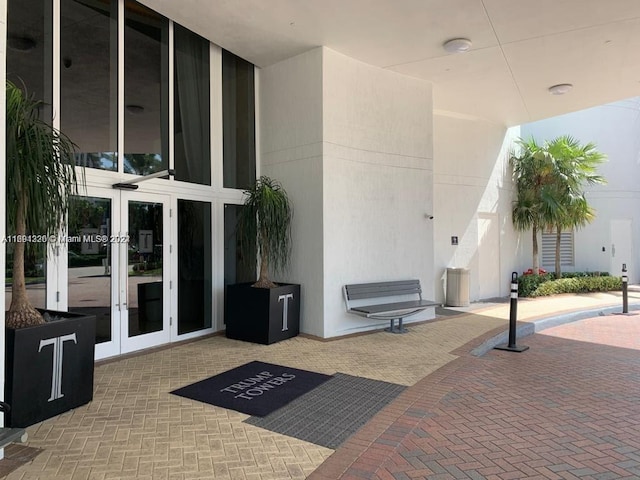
(625, 282)
(513, 318)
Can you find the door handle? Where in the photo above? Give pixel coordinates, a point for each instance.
(613, 249)
(124, 274)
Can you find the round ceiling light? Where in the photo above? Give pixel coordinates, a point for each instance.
(560, 89)
(457, 45)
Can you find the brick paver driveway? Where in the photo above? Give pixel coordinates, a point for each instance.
(567, 408)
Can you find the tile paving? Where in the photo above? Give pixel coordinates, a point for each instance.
(448, 424)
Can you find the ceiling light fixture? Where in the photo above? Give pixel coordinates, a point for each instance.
(457, 45)
(560, 89)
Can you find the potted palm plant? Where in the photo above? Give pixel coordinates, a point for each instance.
(41, 177)
(264, 311)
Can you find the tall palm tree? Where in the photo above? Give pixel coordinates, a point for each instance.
(40, 179)
(575, 166)
(536, 200)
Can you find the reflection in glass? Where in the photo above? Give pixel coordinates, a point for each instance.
(237, 269)
(89, 80)
(35, 269)
(144, 272)
(238, 120)
(194, 266)
(29, 48)
(146, 91)
(29, 66)
(89, 261)
(191, 117)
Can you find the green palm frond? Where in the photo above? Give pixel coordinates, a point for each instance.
(265, 221)
(550, 179)
(39, 166)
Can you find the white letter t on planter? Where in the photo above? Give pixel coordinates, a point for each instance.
(58, 352)
(285, 310)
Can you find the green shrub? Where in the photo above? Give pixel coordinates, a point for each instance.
(527, 284)
(584, 284)
(584, 274)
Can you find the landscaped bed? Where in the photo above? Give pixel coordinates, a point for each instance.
(576, 282)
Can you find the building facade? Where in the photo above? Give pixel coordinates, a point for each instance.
(171, 128)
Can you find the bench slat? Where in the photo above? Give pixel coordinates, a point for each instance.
(382, 289)
(397, 307)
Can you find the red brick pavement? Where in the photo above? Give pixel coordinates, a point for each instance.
(564, 409)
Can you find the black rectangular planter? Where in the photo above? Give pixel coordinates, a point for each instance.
(49, 368)
(258, 314)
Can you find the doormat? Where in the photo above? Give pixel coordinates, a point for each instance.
(331, 413)
(255, 388)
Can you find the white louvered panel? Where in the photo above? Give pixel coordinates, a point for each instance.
(549, 249)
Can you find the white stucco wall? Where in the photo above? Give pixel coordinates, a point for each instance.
(472, 187)
(290, 126)
(378, 174)
(352, 144)
(615, 129)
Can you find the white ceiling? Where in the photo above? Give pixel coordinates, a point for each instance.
(520, 47)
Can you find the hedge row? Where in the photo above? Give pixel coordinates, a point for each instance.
(541, 285)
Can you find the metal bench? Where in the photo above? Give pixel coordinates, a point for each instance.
(10, 435)
(387, 311)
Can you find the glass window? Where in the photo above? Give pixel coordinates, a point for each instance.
(35, 273)
(145, 268)
(89, 80)
(29, 66)
(238, 117)
(191, 113)
(237, 268)
(29, 48)
(89, 261)
(194, 266)
(146, 90)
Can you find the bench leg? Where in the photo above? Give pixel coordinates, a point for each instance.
(393, 329)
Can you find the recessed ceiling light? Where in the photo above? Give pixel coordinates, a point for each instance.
(457, 45)
(560, 89)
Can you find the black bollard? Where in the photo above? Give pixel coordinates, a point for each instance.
(625, 283)
(513, 318)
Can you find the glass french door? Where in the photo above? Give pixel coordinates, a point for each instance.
(143, 293)
(118, 268)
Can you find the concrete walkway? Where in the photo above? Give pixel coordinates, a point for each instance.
(458, 411)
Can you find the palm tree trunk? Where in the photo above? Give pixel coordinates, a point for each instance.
(536, 265)
(21, 313)
(558, 240)
(263, 279)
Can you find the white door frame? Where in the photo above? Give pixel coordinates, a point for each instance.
(119, 279)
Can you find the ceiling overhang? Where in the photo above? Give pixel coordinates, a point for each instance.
(519, 47)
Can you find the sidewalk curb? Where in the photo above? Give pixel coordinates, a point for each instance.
(529, 327)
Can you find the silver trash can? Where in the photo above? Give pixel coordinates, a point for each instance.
(457, 287)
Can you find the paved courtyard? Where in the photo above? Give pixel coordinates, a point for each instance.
(567, 408)
(564, 409)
